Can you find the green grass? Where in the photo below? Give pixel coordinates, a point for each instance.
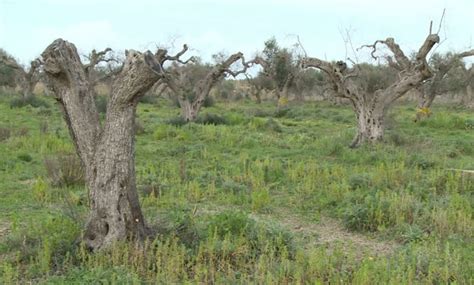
(223, 198)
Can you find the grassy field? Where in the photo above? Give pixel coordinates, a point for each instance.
(262, 197)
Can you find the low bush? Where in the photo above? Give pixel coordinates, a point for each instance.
(5, 133)
(177, 121)
(64, 170)
(26, 157)
(33, 101)
(211, 119)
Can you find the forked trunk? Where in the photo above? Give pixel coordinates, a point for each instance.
(107, 151)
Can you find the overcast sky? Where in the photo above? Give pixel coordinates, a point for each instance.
(211, 26)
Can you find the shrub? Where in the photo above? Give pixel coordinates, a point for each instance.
(5, 133)
(469, 124)
(42, 111)
(259, 113)
(25, 157)
(412, 233)
(64, 170)
(211, 119)
(422, 162)
(236, 225)
(357, 181)
(44, 127)
(163, 132)
(281, 112)
(33, 101)
(208, 102)
(273, 125)
(234, 187)
(22, 132)
(356, 218)
(177, 121)
(397, 139)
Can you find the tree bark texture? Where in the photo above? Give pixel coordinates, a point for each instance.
(107, 151)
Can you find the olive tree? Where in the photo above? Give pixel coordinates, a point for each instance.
(258, 85)
(106, 150)
(371, 106)
(7, 74)
(192, 83)
(280, 67)
(26, 78)
(444, 69)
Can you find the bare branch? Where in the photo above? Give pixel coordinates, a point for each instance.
(374, 48)
(440, 22)
(467, 53)
(246, 65)
(97, 57)
(400, 57)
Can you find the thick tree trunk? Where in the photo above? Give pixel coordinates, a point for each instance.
(188, 111)
(115, 209)
(107, 152)
(370, 124)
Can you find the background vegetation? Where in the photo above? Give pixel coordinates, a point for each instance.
(249, 194)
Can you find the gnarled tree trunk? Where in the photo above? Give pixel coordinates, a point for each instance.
(107, 151)
(370, 107)
(188, 111)
(370, 123)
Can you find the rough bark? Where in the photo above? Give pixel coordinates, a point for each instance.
(107, 151)
(370, 108)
